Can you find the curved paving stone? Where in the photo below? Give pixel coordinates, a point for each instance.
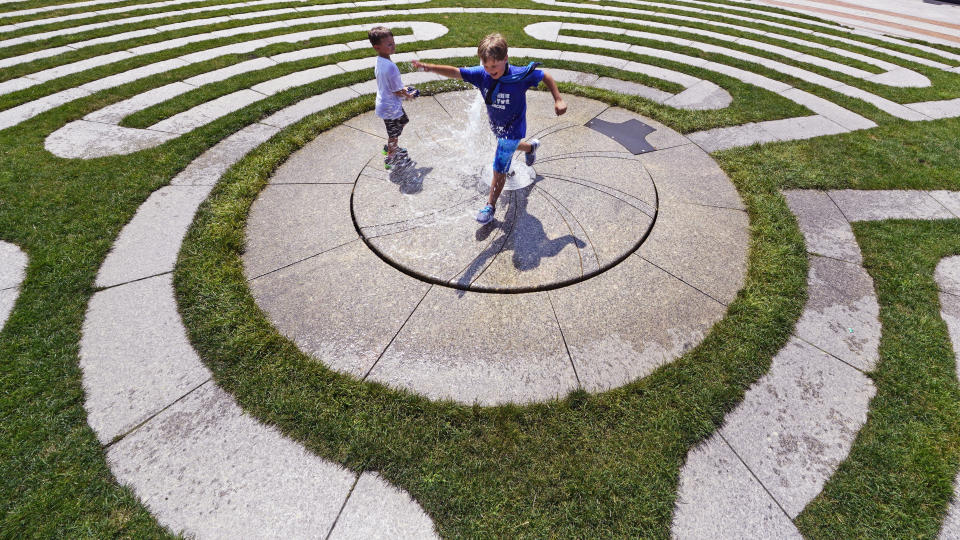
(13, 265)
(590, 204)
(947, 276)
(798, 422)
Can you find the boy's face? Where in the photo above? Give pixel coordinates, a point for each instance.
(386, 47)
(494, 68)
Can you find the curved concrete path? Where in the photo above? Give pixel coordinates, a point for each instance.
(13, 265)
(424, 315)
(947, 277)
(796, 424)
(200, 464)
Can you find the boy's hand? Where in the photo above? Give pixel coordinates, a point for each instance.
(559, 107)
(419, 66)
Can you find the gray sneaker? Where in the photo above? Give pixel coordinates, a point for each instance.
(485, 214)
(532, 154)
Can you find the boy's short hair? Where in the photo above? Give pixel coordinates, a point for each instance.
(377, 33)
(493, 47)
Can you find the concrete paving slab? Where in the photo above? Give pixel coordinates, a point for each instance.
(133, 75)
(626, 322)
(205, 113)
(77, 67)
(13, 265)
(848, 119)
(207, 169)
(704, 246)
(291, 222)
(541, 116)
(8, 297)
(947, 108)
(135, 356)
(702, 96)
(687, 173)
(613, 226)
(949, 199)
(719, 498)
(947, 275)
(662, 138)
(311, 105)
(337, 156)
(86, 140)
(541, 249)
(479, 348)
(377, 510)
(632, 89)
(342, 307)
(715, 139)
(842, 314)
(575, 77)
(116, 112)
(222, 74)
(859, 205)
(577, 138)
(624, 174)
(149, 243)
(203, 467)
(797, 422)
(803, 127)
(20, 113)
(825, 230)
(299, 78)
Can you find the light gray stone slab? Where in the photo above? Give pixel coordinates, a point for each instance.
(342, 307)
(13, 265)
(207, 169)
(686, 173)
(575, 139)
(949, 199)
(950, 529)
(894, 109)
(715, 139)
(133, 75)
(575, 77)
(902, 78)
(20, 83)
(702, 96)
(86, 140)
(803, 127)
(848, 119)
(663, 137)
(825, 229)
(612, 224)
(299, 78)
(479, 348)
(115, 112)
(77, 67)
(377, 510)
(337, 155)
(626, 322)
(29, 57)
(719, 498)
(597, 59)
(8, 297)
(842, 314)
(950, 311)
(947, 275)
(540, 250)
(632, 89)
(230, 71)
(704, 246)
(21, 113)
(748, 77)
(135, 356)
(947, 108)
(541, 114)
(205, 113)
(624, 175)
(204, 468)
(289, 223)
(798, 422)
(149, 243)
(311, 105)
(859, 205)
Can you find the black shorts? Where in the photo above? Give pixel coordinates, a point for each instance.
(395, 126)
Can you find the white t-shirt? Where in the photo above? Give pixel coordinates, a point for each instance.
(388, 82)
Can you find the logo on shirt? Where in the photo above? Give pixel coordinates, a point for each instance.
(502, 101)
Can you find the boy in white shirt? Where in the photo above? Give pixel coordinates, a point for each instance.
(389, 92)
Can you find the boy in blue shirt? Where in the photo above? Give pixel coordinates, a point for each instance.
(504, 89)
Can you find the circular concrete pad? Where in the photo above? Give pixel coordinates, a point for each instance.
(385, 275)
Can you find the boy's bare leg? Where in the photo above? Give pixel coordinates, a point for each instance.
(499, 180)
(524, 147)
(392, 146)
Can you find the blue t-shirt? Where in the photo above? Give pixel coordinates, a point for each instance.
(507, 110)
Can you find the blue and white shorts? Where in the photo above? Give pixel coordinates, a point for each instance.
(505, 150)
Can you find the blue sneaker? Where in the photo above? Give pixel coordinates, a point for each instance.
(532, 154)
(485, 214)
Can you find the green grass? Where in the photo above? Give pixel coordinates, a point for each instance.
(583, 466)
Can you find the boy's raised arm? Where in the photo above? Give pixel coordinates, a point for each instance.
(450, 72)
(559, 106)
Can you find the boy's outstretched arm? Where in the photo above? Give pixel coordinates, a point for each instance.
(559, 106)
(450, 72)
